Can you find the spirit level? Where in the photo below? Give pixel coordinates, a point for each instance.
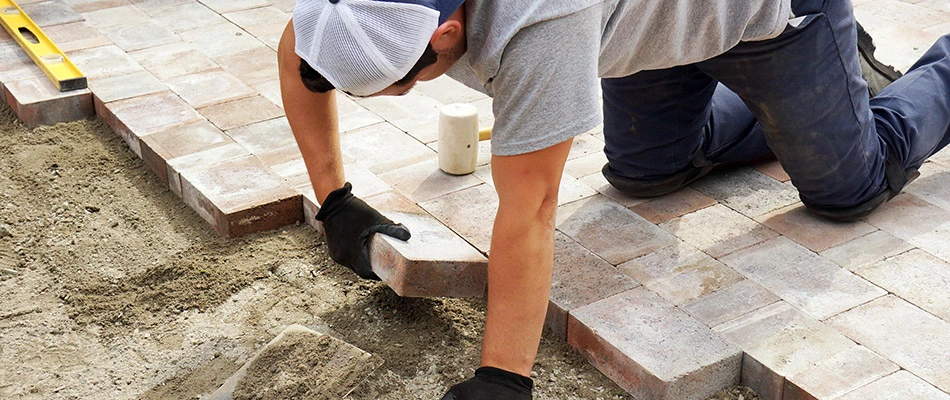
(40, 48)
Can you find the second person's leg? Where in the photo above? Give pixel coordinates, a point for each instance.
(806, 90)
(666, 128)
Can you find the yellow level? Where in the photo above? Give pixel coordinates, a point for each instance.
(43, 51)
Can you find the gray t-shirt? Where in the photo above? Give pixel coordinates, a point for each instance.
(541, 60)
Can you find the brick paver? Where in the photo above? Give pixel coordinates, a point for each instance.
(915, 276)
(192, 87)
(796, 223)
(747, 191)
(611, 231)
(778, 341)
(718, 230)
(126, 86)
(899, 385)
(680, 273)
(730, 302)
(674, 205)
(867, 249)
(903, 333)
(580, 278)
(804, 279)
(836, 375)
(627, 336)
(435, 262)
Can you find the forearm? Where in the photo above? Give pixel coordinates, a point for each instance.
(319, 145)
(313, 120)
(519, 279)
(522, 256)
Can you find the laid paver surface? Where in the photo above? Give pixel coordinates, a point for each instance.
(727, 281)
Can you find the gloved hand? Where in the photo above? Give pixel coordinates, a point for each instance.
(349, 223)
(492, 383)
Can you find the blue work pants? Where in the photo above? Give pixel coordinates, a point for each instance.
(799, 95)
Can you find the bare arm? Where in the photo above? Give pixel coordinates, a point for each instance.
(522, 256)
(313, 119)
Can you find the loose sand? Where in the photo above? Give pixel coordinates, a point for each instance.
(113, 289)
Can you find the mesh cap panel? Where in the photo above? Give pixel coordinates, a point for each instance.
(362, 46)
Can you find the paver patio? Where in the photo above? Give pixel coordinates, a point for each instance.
(729, 281)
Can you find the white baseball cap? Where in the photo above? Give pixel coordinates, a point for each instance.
(363, 46)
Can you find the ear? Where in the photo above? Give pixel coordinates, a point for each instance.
(446, 35)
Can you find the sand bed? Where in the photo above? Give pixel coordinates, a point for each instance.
(114, 289)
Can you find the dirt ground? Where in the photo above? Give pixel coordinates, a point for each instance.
(112, 288)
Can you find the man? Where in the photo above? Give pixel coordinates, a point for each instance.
(686, 86)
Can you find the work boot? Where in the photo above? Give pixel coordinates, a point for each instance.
(877, 74)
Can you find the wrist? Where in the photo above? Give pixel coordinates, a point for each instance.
(333, 201)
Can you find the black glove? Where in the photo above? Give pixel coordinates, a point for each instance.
(492, 383)
(349, 223)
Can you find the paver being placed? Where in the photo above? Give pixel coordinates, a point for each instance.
(434, 262)
(652, 349)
